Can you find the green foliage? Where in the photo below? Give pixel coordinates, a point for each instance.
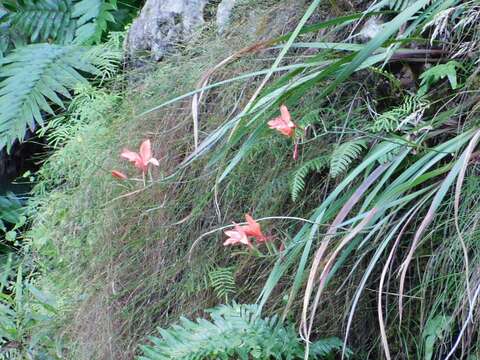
(235, 332)
(299, 175)
(222, 280)
(88, 105)
(44, 20)
(83, 22)
(344, 154)
(93, 17)
(408, 114)
(10, 210)
(399, 5)
(392, 209)
(22, 309)
(434, 331)
(33, 76)
(439, 72)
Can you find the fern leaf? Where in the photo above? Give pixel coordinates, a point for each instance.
(311, 118)
(409, 112)
(44, 20)
(222, 280)
(234, 332)
(34, 77)
(298, 182)
(92, 20)
(324, 347)
(438, 72)
(344, 154)
(273, 191)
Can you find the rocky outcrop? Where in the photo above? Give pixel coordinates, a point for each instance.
(224, 14)
(163, 23)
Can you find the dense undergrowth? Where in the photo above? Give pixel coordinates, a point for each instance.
(369, 206)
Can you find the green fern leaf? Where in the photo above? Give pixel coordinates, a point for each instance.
(222, 280)
(311, 118)
(298, 182)
(92, 20)
(438, 72)
(324, 347)
(44, 20)
(409, 112)
(343, 156)
(234, 332)
(34, 77)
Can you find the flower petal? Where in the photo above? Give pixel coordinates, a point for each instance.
(285, 114)
(153, 161)
(275, 123)
(130, 155)
(146, 151)
(119, 175)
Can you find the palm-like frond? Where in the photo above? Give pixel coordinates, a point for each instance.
(298, 181)
(222, 280)
(44, 20)
(403, 116)
(34, 76)
(344, 154)
(235, 332)
(92, 19)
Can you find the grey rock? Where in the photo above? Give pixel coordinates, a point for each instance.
(163, 23)
(224, 14)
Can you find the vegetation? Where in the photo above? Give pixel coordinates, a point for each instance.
(235, 332)
(350, 136)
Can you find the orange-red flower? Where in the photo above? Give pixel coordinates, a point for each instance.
(253, 229)
(237, 237)
(119, 175)
(283, 123)
(141, 159)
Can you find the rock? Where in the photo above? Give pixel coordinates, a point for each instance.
(224, 13)
(370, 29)
(163, 23)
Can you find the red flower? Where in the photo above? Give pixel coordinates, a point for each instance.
(141, 159)
(237, 237)
(283, 123)
(253, 229)
(119, 175)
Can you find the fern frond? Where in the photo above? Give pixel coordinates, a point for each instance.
(438, 72)
(44, 20)
(344, 154)
(298, 181)
(312, 117)
(235, 332)
(409, 112)
(106, 58)
(88, 105)
(222, 280)
(33, 76)
(92, 19)
(389, 155)
(327, 346)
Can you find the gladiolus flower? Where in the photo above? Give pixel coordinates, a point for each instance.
(237, 236)
(119, 175)
(253, 229)
(283, 123)
(141, 159)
